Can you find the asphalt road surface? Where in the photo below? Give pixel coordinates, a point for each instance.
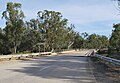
(69, 68)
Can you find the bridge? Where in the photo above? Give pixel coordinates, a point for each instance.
(68, 67)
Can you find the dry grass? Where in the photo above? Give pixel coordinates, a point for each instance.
(104, 73)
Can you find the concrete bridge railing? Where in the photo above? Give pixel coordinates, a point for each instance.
(30, 55)
(22, 56)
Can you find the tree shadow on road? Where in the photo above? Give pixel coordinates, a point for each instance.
(71, 68)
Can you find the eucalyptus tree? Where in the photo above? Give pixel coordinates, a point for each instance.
(95, 41)
(3, 43)
(14, 24)
(92, 41)
(115, 38)
(78, 41)
(70, 36)
(53, 27)
(104, 42)
(32, 36)
(84, 35)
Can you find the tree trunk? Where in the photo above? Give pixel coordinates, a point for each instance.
(70, 45)
(15, 49)
(52, 50)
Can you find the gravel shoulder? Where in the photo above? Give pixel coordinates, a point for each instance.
(104, 73)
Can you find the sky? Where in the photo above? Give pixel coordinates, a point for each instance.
(91, 16)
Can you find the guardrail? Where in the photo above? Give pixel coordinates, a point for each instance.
(104, 58)
(110, 60)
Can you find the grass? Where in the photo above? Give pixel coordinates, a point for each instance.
(112, 54)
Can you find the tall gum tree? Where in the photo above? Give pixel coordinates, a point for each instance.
(115, 38)
(14, 24)
(52, 26)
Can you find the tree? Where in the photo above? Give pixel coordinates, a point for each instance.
(3, 43)
(115, 38)
(49, 29)
(104, 42)
(14, 25)
(95, 41)
(84, 36)
(70, 36)
(52, 26)
(32, 36)
(78, 42)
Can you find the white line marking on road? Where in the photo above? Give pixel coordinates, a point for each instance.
(44, 68)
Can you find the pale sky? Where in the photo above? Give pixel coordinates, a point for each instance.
(91, 16)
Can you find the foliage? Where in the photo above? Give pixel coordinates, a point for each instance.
(14, 25)
(54, 28)
(115, 38)
(49, 31)
(78, 42)
(95, 41)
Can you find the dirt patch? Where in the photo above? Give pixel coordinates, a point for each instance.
(104, 73)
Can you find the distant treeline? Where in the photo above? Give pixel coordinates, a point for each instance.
(49, 31)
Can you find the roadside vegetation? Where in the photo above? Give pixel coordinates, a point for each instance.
(113, 49)
(49, 31)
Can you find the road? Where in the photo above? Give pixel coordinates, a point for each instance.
(68, 68)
